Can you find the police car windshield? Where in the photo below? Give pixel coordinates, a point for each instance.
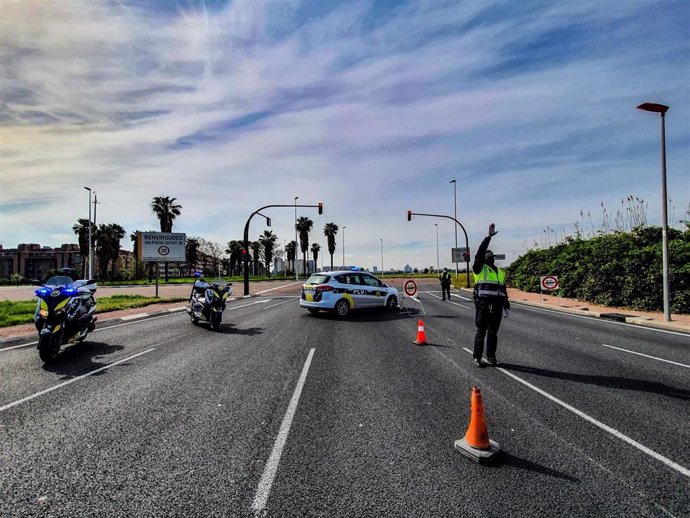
(318, 279)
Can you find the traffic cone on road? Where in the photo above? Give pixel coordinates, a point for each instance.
(476, 444)
(421, 335)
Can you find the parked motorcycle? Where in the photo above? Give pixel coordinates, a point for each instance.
(65, 313)
(208, 300)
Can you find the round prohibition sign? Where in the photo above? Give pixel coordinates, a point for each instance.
(549, 282)
(410, 288)
(163, 250)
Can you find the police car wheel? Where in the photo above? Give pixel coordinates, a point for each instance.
(342, 307)
(392, 303)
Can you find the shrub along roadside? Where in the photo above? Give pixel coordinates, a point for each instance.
(22, 312)
(617, 269)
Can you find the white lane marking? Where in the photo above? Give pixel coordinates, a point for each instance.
(603, 320)
(134, 317)
(37, 394)
(647, 356)
(454, 303)
(17, 346)
(279, 287)
(252, 304)
(280, 303)
(271, 468)
(680, 469)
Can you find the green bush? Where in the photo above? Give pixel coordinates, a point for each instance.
(617, 269)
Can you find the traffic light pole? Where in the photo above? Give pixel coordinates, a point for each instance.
(245, 241)
(467, 243)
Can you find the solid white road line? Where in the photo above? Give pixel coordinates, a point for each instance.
(677, 467)
(454, 303)
(603, 320)
(252, 304)
(646, 356)
(33, 396)
(279, 287)
(271, 468)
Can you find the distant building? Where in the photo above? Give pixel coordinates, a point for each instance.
(407, 269)
(32, 261)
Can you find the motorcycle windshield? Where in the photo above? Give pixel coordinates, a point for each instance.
(58, 281)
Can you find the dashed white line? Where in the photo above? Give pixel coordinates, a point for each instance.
(37, 394)
(677, 467)
(271, 468)
(454, 303)
(279, 287)
(646, 356)
(280, 303)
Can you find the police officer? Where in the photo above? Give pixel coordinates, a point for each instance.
(445, 283)
(490, 300)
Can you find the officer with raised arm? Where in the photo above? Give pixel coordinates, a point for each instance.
(490, 300)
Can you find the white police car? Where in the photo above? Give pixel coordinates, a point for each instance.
(344, 290)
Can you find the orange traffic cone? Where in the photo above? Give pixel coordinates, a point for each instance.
(421, 335)
(476, 444)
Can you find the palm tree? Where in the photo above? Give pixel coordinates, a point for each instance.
(290, 250)
(81, 229)
(330, 230)
(192, 253)
(315, 247)
(304, 226)
(256, 256)
(268, 240)
(165, 209)
(108, 247)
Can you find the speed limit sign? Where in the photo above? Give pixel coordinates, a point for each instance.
(549, 282)
(410, 288)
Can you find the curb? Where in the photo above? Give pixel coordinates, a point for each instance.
(611, 316)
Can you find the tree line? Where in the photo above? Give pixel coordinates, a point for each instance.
(105, 242)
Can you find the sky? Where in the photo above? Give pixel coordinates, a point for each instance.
(371, 107)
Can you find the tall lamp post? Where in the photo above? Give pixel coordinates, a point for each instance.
(344, 247)
(438, 265)
(662, 109)
(455, 215)
(296, 242)
(381, 239)
(90, 245)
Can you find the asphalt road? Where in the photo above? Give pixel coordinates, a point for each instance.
(285, 414)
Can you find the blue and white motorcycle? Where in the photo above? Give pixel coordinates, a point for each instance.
(65, 313)
(208, 300)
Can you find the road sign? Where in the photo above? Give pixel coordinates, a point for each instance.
(456, 254)
(499, 257)
(410, 288)
(549, 282)
(158, 247)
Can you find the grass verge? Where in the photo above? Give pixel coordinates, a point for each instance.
(14, 312)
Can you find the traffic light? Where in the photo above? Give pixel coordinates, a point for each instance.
(320, 208)
(409, 215)
(466, 257)
(268, 222)
(244, 253)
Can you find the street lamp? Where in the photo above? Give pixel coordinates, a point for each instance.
(381, 239)
(295, 261)
(344, 247)
(438, 267)
(455, 215)
(90, 249)
(662, 109)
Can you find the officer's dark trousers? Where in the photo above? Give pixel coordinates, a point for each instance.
(487, 320)
(445, 289)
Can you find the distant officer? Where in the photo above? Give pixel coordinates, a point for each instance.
(445, 283)
(490, 300)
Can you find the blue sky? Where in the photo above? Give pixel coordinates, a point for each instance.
(370, 107)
